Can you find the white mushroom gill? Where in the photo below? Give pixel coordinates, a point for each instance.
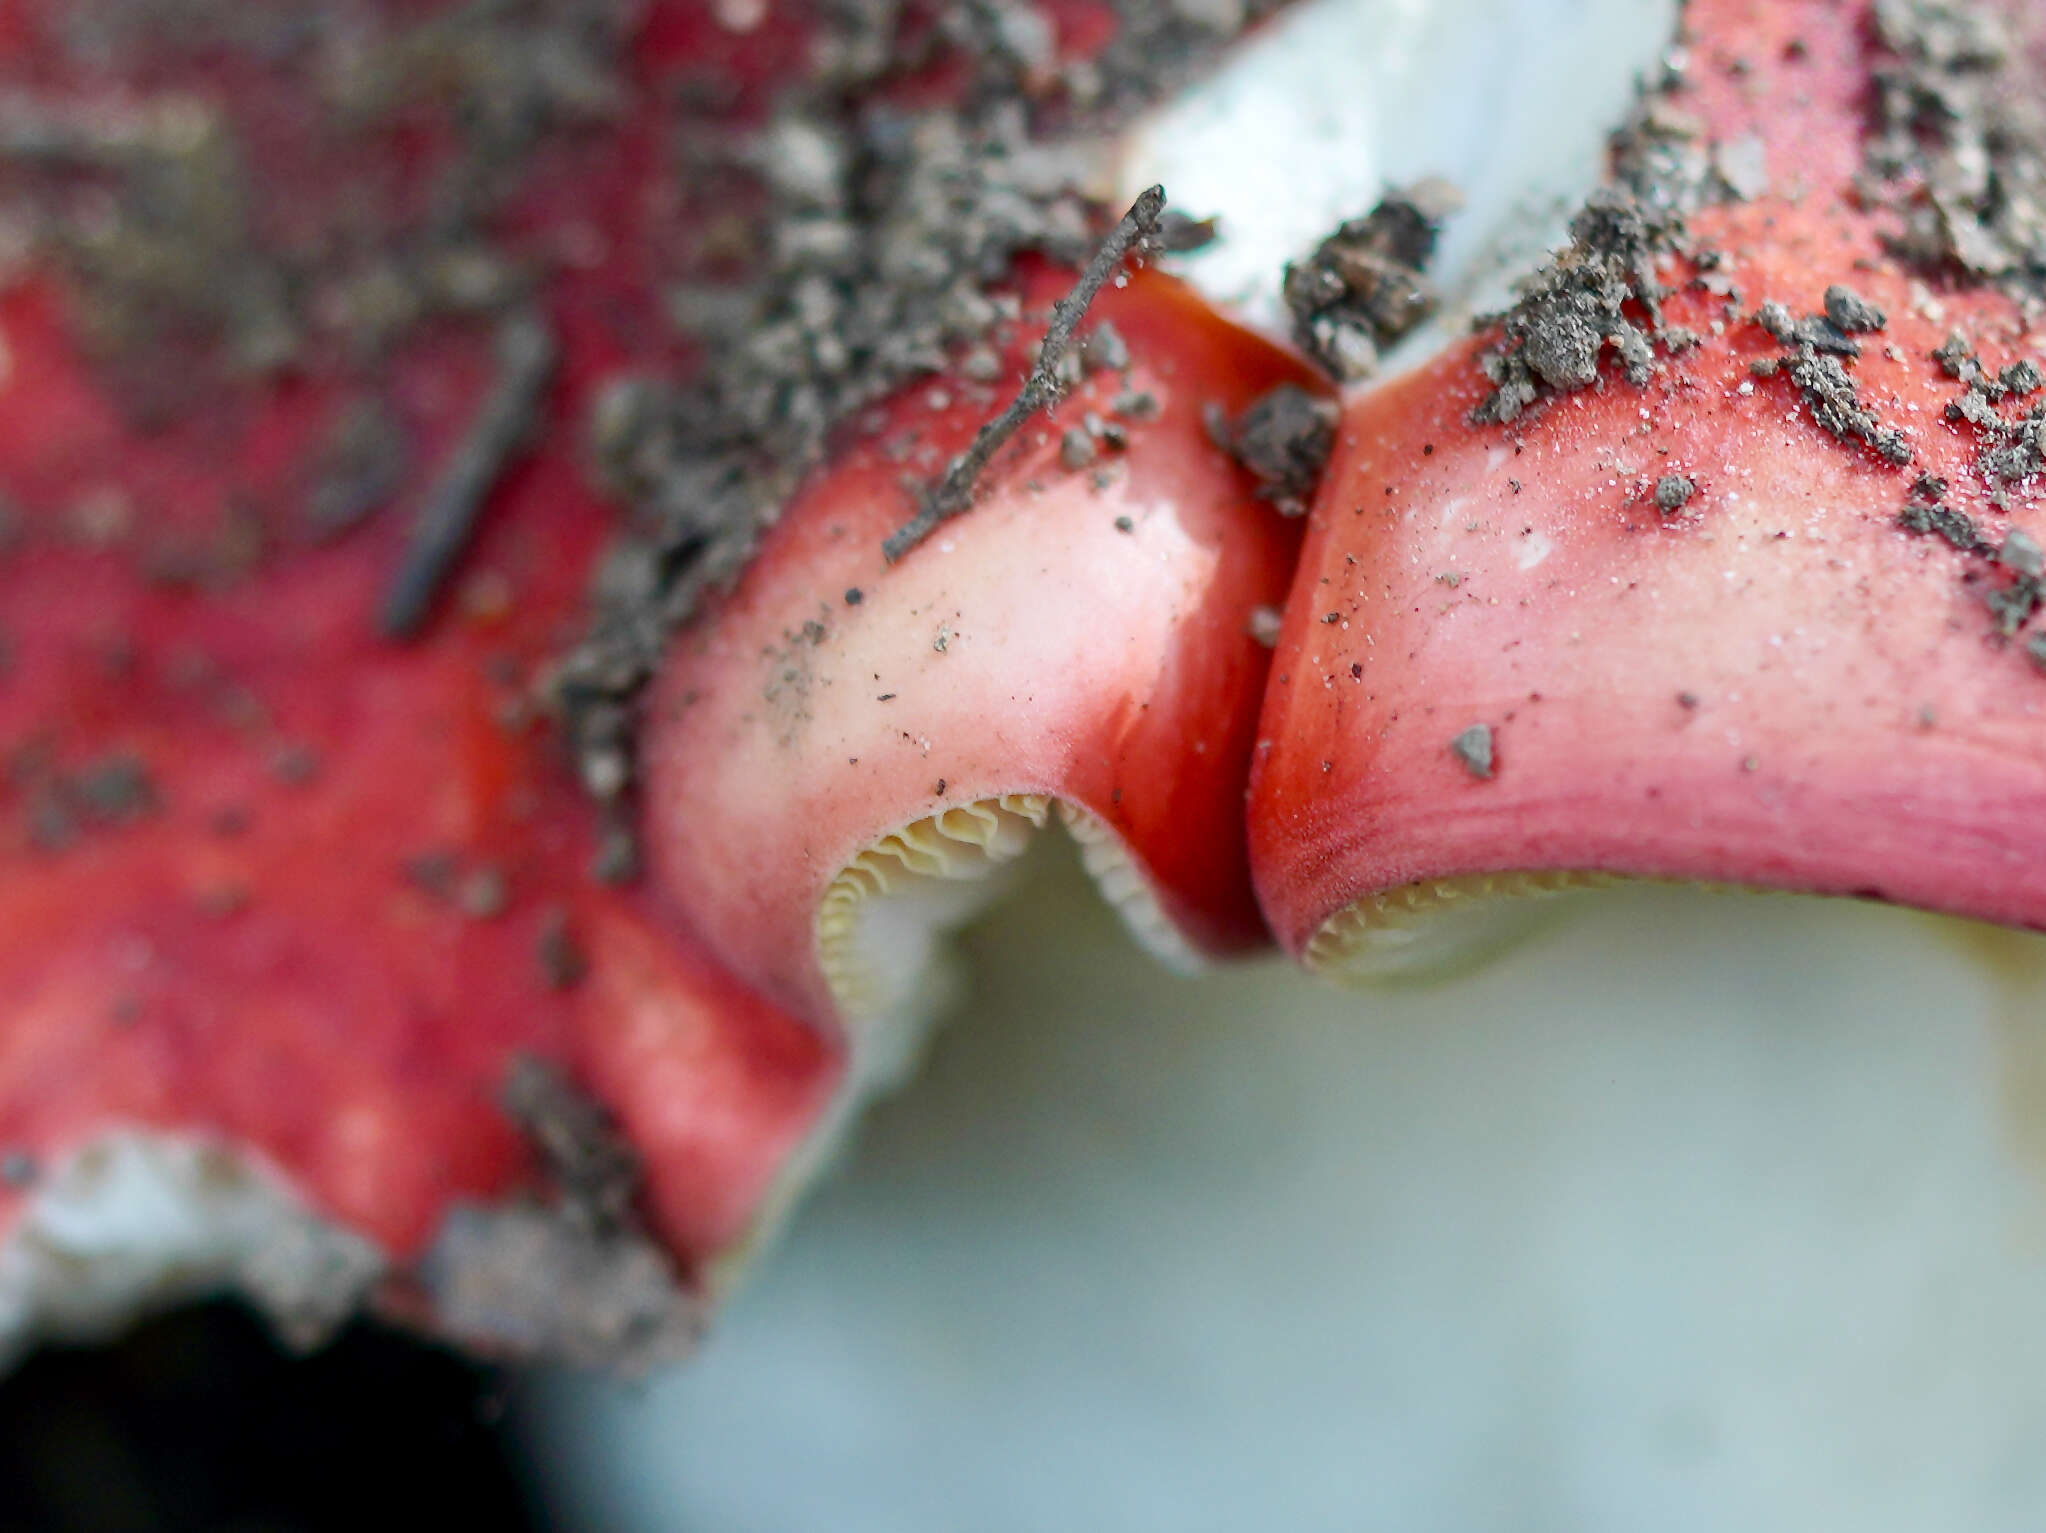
(883, 920)
(1435, 927)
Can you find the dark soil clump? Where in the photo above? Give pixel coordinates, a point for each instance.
(1813, 349)
(1283, 437)
(1958, 144)
(1365, 287)
(2013, 447)
(1599, 295)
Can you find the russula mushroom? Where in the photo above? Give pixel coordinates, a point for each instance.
(293, 890)
(843, 749)
(298, 900)
(1716, 560)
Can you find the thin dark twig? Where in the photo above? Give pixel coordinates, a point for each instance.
(525, 361)
(954, 493)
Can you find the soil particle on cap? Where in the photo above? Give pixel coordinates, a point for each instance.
(2011, 575)
(484, 894)
(1575, 310)
(1473, 747)
(295, 765)
(434, 872)
(2021, 552)
(617, 859)
(1957, 143)
(1104, 350)
(1283, 437)
(1830, 395)
(593, 1169)
(1848, 312)
(1364, 286)
(2013, 447)
(1816, 331)
(2011, 606)
(1662, 157)
(1957, 358)
(1813, 348)
(1957, 527)
(2023, 376)
(111, 792)
(1673, 492)
(115, 790)
(1264, 625)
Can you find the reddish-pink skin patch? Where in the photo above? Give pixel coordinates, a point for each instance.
(251, 960)
(1780, 687)
(1033, 645)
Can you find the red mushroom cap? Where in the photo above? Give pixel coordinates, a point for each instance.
(1082, 634)
(285, 905)
(1681, 627)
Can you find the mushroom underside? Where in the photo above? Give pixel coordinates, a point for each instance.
(881, 923)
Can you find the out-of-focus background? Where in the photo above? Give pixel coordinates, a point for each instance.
(1700, 1212)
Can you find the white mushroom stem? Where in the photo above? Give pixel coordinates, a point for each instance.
(1315, 117)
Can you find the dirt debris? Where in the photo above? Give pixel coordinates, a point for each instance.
(1365, 285)
(1046, 382)
(570, 1274)
(447, 520)
(59, 806)
(2011, 574)
(1957, 144)
(2012, 447)
(1851, 314)
(362, 465)
(1813, 348)
(159, 217)
(522, 1281)
(1283, 437)
(1473, 747)
(1673, 492)
(1574, 311)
